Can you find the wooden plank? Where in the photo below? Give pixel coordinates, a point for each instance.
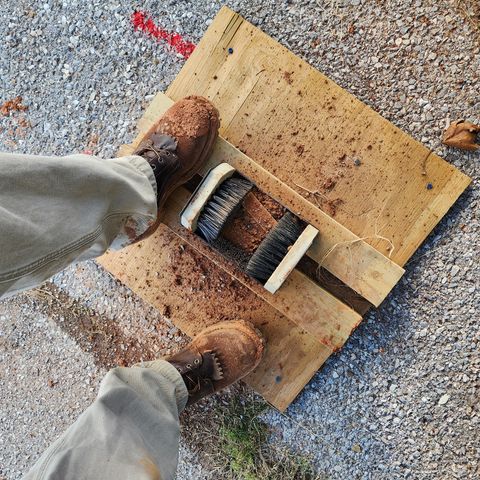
(307, 131)
(301, 300)
(194, 293)
(339, 251)
(290, 261)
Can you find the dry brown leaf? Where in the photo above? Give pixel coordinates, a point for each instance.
(462, 134)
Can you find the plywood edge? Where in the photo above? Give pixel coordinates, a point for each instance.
(281, 399)
(442, 202)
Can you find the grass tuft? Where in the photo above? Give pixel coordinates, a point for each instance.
(244, 451)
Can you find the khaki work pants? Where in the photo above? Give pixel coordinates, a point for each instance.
(58, 210)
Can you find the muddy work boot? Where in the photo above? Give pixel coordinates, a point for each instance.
(178, 145)
(218, 357)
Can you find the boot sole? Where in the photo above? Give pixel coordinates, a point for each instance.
(247, 328)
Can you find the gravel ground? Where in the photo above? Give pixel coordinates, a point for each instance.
(401, 399)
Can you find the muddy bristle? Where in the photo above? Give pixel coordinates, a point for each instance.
(274, 247)
(221, 207)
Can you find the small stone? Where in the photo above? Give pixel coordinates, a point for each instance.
(455, 269)
(444, 399)
(357, 448)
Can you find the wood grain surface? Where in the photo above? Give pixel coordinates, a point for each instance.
(316, 137)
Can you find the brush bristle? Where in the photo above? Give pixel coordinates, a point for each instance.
(221, 206)
(274, 247)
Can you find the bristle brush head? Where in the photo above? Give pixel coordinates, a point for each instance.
(274, 247)
(218, 210)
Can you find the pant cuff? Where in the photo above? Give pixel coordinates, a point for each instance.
(143, 166)
(170, 373)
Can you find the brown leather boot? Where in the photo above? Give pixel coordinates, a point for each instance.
(179, 143)
(218, 357)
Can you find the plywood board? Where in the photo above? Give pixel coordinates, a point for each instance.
(193, 292)
(316, 137)
(325, 322)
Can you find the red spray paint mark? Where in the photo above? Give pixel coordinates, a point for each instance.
(141, 21)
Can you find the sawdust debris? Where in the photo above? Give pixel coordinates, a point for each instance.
(288, 77)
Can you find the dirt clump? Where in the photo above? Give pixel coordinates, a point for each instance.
(13, 105)
(288, 77)
(276, 210)
(250, 226)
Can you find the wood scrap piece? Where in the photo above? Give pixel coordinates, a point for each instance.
(191, 213)
(290, 261)
(165, 271)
